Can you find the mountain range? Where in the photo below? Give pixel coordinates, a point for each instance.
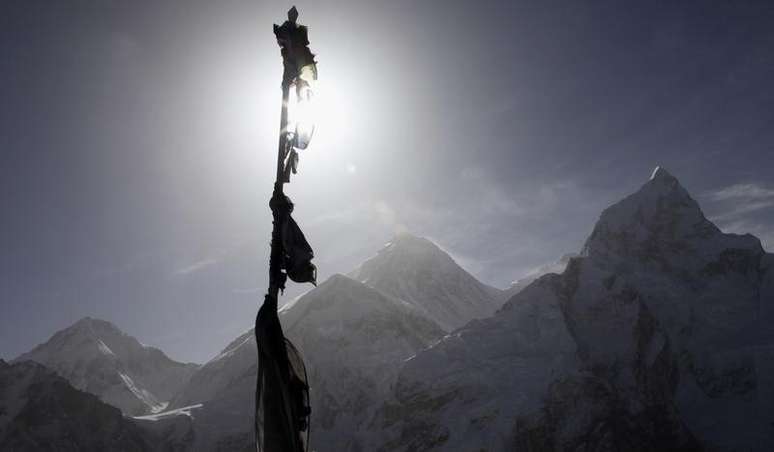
(656, 336)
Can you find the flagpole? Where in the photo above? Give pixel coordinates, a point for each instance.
(282, 409)
(276, 280)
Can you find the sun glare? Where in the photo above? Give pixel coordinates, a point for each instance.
(332, 113)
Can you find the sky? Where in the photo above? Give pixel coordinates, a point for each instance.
(138, 138)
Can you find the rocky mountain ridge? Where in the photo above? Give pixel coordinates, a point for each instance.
(40, 410)
(657, 337)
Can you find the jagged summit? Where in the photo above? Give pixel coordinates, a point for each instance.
(663, 176)
(661, 199)
(108, 339)
(405, 247)
(659, 221)
(659, 335)
(416, 270)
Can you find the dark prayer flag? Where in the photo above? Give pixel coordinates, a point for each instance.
(282, 390)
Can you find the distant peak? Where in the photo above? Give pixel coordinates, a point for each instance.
(91, 325)
(410, 241)
(91, 321)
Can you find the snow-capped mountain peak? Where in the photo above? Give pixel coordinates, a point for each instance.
(353, 339)
(660, 222)
(657, 337)
(96, 356)
(417, 271)
(663, 175)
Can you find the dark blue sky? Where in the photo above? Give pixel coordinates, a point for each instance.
(138, 138)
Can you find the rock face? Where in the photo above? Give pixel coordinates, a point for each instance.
(657, 337)
(40, 411)
(96, 357)
(415, 270)
(465, 392)
(353, 339)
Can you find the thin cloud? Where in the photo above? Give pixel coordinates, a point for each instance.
(740, 200)
(744, 208)
(196, 266)
(748, 192)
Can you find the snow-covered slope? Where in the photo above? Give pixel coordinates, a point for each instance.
(96, 357)
(659, 336)
(353, 339)
(415, 270)
(465, 392)
(225, 389)
(40, 411)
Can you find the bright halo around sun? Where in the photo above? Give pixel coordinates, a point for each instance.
(336, 145)
(244, 101)
(332, 113)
